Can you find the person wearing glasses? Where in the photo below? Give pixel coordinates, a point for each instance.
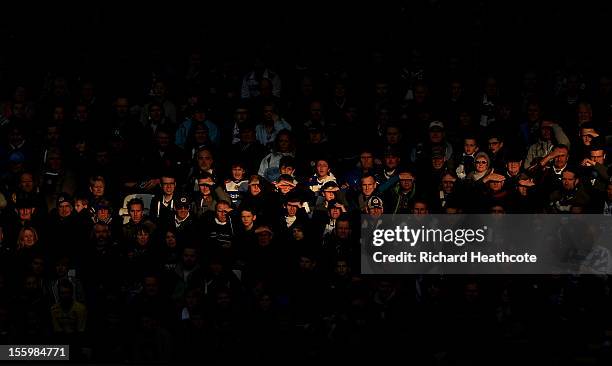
(497, 151)
(163, 205)
(482, 168)
(595, 172)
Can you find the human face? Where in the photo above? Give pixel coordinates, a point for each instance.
(368, 186)
(170, 239)
(514, 167)
(329, 195)
(420, 209)
(585, 114)
(456, 90)
(585, 136)
(598, 156)
(436, 136)
(533, 113)
(155, 112)
(168, 184)
(322, 168)
(284, 187)
(469, 146)
(26, 183)
(315, 111)
(142, 238)
(101, 232)
(495, 145)
(182, 212)
(81, 113)
(247, 218)
(268, 113)
(264, 238)
(64, 209)
(241, 115)
(481, 164)
(546, 133)
(437, 162)
(151, 286)
(287, 170)
(103, 214)
(28, 238)
(237, 172)
(343, 229)
(297, 233)
(97, 188)
(200, 135)
(495, 185)
(367, 160)
(162, 139)
(448, 184)
(80, 205)
(283, 143)
(136, 212)
(292, 208)
(561, 160)
(190, 257)
(393, 135)
(222, 212)
(204, 185)
(58, 114)
(569, 181)
(335, 212)
(375, 212)
(497, 210)
(205, 160)
(315, 136)
(247, 135)
(53, 135)
(122, 107)
(406, 181)
(391, 161)
(342, 268)
(306, 264)
(255, 189)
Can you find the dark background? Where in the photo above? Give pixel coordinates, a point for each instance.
(116, 39)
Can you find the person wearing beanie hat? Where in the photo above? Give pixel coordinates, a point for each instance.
(375, 206)
(64, 204)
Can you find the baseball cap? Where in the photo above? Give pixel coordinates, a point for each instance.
(437, 152)
(183, 200)
(436, 125)
(375, 202)
(63, 197)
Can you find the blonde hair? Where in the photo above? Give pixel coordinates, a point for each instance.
(20, 243)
